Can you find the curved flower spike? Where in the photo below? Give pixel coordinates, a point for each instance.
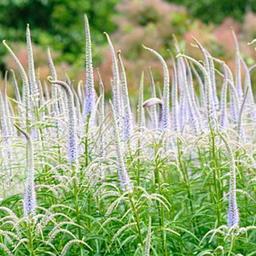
(72, 131)
(29, 201)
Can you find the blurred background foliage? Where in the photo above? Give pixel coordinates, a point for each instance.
(131, 23)
(215, 11)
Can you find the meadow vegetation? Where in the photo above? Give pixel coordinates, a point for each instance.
(170, 174)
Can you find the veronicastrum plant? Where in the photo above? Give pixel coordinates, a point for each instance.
(173, 174)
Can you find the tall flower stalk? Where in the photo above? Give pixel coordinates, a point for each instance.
(233, 211)
(29, 201)
(153, 95)
(26, 91)
(115, 83)
(125, 182)
(33, 85)
(72, 146)
(164, 123)
(127, 119)
(89, 100)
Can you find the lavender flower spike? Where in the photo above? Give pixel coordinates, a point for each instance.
(115, 84)
(125, 182)
(72, 132)
(127, 125)
(29, 201)
(25, 81)
(223, 102)
(89, 101)
(153, 95)
(141, 114)
(164, 124)
(54, 90)
(31, 69)
(233, 212)
(238, 69)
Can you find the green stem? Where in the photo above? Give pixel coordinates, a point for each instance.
(138, 164)
(216, 177)
(231, 245)
(136, 217)
(30, 238)
(159, 207)
(77, 211)
(186, 181)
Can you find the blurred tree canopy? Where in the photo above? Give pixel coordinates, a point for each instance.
(57, 23)
(216, 10)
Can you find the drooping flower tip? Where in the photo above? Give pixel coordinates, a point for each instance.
(151, 102)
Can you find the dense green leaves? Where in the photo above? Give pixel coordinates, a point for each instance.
(57, 23)
(215, 11)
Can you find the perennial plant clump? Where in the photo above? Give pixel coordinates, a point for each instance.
(172, 174)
